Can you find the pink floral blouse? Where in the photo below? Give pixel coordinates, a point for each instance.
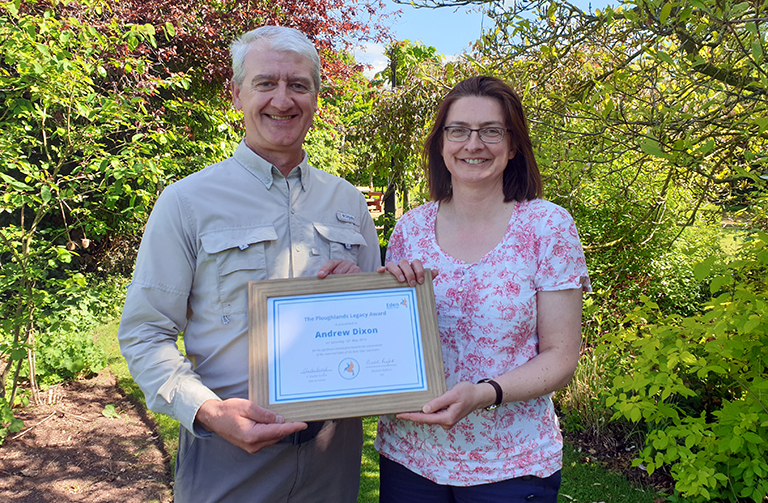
(486, 314)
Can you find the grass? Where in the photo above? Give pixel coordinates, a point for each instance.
(583, 482)
(588, 482)
(369, 466)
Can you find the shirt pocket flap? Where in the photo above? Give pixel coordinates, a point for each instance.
(216, 242)
(343, 235)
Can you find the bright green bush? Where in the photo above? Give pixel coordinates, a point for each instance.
(700, 383)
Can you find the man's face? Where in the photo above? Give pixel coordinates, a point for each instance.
(278, 101)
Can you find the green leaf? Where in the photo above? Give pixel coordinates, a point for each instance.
(707, 147)
(13, 7)
(739, 9)
(15, 183)
(18, 354)
(687, 358)
(718, 282)
(45, 193)
(665, 12)
(736, 443)
(110, 411)
(651, 147)
(762, 124)
(170, 29)
(702, 269)
(751, 324)
(661, 442)
(665, 58)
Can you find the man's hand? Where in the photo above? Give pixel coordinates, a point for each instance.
(245, 424)
(338, 266)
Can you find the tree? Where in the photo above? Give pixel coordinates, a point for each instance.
(646, 115)
(79, 160)
(104, 103)
(408, 93)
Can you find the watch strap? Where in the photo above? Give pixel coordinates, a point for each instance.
(499, 393)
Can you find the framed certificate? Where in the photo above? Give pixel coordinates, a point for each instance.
(344, 346)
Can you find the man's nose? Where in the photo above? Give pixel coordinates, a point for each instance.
(281, 98)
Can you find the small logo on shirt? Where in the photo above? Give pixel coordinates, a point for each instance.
(345, 217)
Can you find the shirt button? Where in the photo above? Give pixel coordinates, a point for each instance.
(458, 303)
(461, 289)
(298, 248)
(293, 212)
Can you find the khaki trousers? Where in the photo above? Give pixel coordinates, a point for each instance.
(325, 468)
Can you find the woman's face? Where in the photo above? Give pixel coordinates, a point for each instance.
(473, 162)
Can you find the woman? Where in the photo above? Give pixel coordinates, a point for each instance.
(509, 300)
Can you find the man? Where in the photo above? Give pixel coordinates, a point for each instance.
(262, 214)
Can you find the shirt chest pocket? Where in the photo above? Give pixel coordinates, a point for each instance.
(240, 257)
(339, 242)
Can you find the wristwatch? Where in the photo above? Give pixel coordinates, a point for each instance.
(499, 393)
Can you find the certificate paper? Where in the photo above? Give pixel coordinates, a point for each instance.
(344, 346)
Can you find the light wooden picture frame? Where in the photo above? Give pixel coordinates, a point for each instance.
(264, 325)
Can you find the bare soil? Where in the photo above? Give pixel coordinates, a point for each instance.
(76, 449)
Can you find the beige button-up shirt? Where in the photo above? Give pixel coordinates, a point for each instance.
(209, 234)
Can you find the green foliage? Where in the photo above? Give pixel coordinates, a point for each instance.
(8, 423)
(646, 116)
(72, 167)
(110, 412)
(90, 134)
(390, 140)
(369, 465)
(700, 383)
(586, 479)
(582, 404)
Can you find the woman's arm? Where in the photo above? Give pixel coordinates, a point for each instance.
(559, 328)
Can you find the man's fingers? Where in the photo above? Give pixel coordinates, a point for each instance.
(263, 435)
(338, 266)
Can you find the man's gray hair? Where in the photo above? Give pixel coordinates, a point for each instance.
(276, 38)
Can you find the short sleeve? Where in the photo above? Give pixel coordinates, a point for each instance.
(561, 262)
(396, 246)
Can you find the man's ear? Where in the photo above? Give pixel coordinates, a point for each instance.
(236, 96)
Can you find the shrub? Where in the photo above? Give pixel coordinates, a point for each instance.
(700, 383)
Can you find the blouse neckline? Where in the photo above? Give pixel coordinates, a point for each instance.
(433, 232)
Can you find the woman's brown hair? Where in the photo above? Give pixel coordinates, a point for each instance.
(522, 180)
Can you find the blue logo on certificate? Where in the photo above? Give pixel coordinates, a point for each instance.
(349, 368)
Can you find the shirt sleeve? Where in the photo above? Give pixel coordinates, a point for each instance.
(155, 313)
(396, 245)
(561, 262)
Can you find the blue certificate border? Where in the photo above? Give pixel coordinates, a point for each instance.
(274, 305)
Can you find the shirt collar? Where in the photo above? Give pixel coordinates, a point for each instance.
(265, 171)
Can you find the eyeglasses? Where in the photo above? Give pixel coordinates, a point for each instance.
(487, 134)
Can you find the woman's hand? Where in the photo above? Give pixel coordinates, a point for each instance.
(453, 406)
(412, 273)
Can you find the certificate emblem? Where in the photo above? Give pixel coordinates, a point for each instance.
(349, 368)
